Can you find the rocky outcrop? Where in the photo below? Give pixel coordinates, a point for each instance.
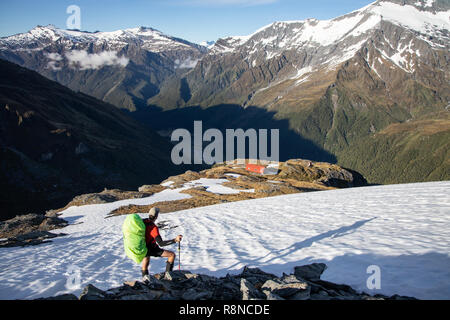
(30, 229)
(251, 284)
(107, 196)
(292, 176)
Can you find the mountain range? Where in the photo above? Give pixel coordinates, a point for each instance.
(368, 90)
(124, 67)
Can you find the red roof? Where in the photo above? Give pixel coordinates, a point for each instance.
(255, 168)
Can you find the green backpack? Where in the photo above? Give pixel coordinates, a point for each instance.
(133, 230)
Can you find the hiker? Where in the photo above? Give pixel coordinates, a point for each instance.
(154, 242)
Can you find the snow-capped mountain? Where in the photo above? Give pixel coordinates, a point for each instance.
(147, 38)
(401, 33)
(318, 44)
(368, 77)
(277, 37)
(124, 67)
(208, 44)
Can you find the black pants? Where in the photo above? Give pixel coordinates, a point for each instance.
(154, 250)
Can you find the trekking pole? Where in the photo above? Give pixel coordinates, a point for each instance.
(179, 255)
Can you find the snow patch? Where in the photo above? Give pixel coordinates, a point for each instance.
(167, 184)
(302, 72)
(234, 175)
(412, 18)
(214, 186)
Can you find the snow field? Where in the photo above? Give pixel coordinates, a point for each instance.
(402, 229)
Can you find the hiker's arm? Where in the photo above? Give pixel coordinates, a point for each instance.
(163, 243)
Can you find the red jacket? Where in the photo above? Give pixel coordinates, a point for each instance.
(151, 232)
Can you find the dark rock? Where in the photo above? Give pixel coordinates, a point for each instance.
(155, 284)
(52, 213)
(321, 295)
(21, 222)
(371, 298)
(30, 229)
(249, 292)
(51, 223)
(135, 290)
(175, 275)
(94, 198)
(329, 286)
(381, 296)
(135, 297)
(92, 293)
(193, 294)
(206, 278)
(184, 285)
(131, 283)
(397, 297)
(232, 279)
(35, 235)
(29, 239)
(284, 289)
(310, 272)
(228, 291)
(301, 294)
(256, 276)
(167, 296)
(192, 276)
(272, 296)
(316, 288)
(61, 297)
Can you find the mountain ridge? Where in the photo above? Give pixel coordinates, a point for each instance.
(123, 67)
(56, 144)
(382, 65)
(341, 94)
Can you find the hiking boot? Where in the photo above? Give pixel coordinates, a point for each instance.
(169, 266)
(146, 279)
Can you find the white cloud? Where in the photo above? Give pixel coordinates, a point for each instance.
(84, 60)
(54, 58)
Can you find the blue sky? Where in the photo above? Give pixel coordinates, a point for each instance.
(193, 20)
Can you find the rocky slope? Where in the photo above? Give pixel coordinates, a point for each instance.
(292, 176)
(275, 66)
(251, 284)
(55, 144)
(30, 229)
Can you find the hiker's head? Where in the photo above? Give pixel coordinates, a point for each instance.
(153, 213)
